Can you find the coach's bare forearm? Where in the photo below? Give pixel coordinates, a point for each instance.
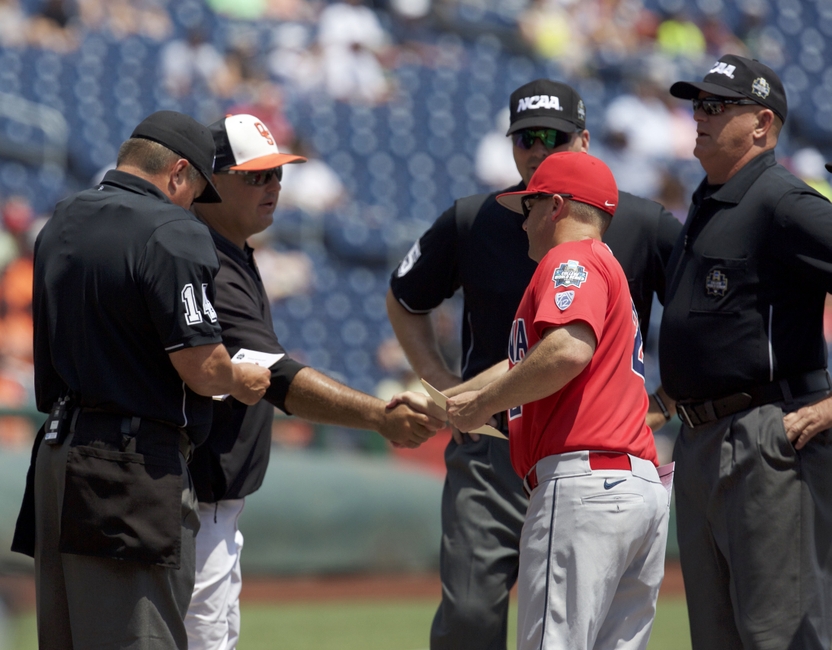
(318, 398)
(481, 380)
(555, 360)
(315, 397)
(417, 336)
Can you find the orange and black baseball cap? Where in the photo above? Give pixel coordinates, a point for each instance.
(736, 77)
(244, 143)
(586, 178)
(186, 137)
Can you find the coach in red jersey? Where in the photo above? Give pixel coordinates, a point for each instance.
(593, 543)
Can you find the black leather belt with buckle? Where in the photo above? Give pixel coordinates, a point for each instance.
(695, 413)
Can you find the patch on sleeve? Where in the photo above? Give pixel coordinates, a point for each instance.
(564, 299)
(569, 274)
(409, 260)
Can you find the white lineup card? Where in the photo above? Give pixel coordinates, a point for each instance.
(263, 359)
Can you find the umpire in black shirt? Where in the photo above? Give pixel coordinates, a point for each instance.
(127, 355)
(480, 246)
(232, 463)
(742, 351)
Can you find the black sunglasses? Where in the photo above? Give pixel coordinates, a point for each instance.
(524, 202)
(260, 177)
(550, 138)
(716, 105)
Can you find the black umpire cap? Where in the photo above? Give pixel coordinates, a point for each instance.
(185, 136)
(736, 77)
(546, 104)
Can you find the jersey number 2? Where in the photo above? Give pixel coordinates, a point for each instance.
(638, 347)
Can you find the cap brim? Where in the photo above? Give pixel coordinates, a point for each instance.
(209, 194)
(543, 123)
(691, 90)
(269, 162)
(513, 200)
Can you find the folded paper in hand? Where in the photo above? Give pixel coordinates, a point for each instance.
(441, 400)
(264, 359)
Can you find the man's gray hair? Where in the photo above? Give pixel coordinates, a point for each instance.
(151, 157)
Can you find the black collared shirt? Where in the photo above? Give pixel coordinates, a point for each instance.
(746, 284)
(487, 254)
(233, 461)
(122, 278)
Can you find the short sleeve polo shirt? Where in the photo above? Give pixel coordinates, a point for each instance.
(123, 277)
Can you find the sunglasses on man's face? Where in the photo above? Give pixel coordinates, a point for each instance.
(259, 178)
(716, 105)
(550, 138)
(528, 201)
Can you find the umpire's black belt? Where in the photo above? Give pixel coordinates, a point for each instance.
(119, 427)
(695, 413)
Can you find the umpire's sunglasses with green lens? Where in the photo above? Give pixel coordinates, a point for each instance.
(716, 105)
(550, 138)
(260, 177)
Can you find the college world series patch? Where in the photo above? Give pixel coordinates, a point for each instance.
(569, 274)
(564, 299)
(716, 284)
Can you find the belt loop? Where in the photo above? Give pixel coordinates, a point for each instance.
(709, 410)
(684, 416)
(129, 428)
(530, 481)
(186, 447)
(75, 412)
(786, 389)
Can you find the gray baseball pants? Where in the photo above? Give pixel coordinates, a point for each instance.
(591, 555)
(102, 603)
(755, 533)
(483, 508)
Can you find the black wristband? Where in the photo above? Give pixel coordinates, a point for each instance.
(662, 406)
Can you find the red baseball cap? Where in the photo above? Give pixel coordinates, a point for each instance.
(585, 177)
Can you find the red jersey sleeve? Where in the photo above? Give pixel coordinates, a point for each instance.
(572, 286)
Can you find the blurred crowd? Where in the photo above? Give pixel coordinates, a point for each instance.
(351, 50)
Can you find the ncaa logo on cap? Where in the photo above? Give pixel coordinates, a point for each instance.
(720, 67)
(552, 102)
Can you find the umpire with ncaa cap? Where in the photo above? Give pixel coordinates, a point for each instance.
(232, 463)
(742, 351)
(127, 354)
(480, 246)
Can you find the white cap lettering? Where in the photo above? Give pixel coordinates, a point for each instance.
(551, 102)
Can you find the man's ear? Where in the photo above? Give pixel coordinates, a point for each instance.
(178, 173)
(765, 120)
(558, 207)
